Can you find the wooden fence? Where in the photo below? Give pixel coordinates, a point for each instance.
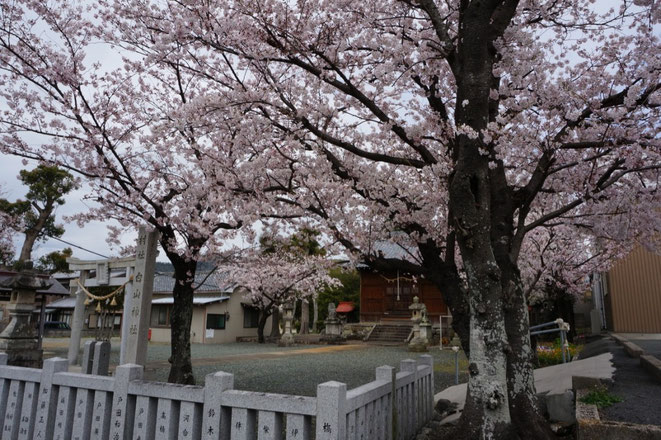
(54, 404)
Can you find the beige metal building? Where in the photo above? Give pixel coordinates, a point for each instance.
(630, 293)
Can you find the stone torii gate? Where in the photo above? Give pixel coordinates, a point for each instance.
(139, 279)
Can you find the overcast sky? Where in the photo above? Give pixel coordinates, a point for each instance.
(92, 236)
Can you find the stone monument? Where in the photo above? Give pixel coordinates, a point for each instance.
(287, 338)
(19, 339)
(333, 332)
(418, 312)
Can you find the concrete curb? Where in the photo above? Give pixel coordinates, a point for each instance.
(632, 349)
(652, 365)
(591, 427)
(648, 362)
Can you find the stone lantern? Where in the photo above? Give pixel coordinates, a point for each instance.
(333, 332)
(287, 338)
(19, 339)
(418, 317)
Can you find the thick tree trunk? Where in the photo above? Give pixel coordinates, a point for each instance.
(32, 234)
(261, 323)
(305, 317)
(275, 323)
(524, 406)
(181, 368)
(28, 244)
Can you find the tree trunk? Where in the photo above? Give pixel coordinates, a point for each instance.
(32, 234)
(263, 317)
(315, 314)
(524, 406)
(26, 251)
(181, 368)
(305, 317)
(275, 323)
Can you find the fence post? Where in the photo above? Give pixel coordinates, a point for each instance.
(101, 358)
(88, 357)
(3, 358)
(428, 387)
(121, 418)
(216, 419)
(331, 411)
(410, 398)
(47, 403)
(390, 412)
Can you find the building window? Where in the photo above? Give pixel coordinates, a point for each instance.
(250, 317)
(215, 322)
(160, 316)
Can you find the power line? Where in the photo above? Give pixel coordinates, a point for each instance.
(76, 246)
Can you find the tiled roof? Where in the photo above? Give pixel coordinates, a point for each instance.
(197, 300)
(216, 283)
(55, 289)
(392, 250)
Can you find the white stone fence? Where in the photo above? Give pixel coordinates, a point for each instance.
(54, 404)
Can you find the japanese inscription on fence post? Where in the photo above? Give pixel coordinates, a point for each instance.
(137, 308)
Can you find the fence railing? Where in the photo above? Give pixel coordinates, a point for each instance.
(54, 404)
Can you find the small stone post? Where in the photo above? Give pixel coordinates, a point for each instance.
(19, 339)
(287, 338)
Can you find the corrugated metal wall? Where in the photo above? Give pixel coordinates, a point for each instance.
(634, 284)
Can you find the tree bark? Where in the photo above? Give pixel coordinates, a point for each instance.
(181, 368)
(275, 323)
(32, 234)
(305, 317)
(263, 317)
(315, 314)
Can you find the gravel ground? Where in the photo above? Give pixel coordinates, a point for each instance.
(296, 374)
(641, 394)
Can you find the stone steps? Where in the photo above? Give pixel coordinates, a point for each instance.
(390, 333)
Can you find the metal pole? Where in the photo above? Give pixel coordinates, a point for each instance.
(456, 365)
(440, 331)
(562, 343)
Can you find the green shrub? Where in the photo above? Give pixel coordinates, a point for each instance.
(600, 397)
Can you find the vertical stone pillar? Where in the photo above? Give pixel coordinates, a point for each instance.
(135, 345)
(216, 420)
(389, 411)
(331, 411)
(77, 321)
(123, 408)
(128, 295)
(101, 358)
(88, 357)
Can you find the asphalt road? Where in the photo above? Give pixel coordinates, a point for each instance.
(640, 392)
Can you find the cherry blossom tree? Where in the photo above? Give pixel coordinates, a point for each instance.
(460, 129)
(128, 130)
(271, 279)
(467, 125)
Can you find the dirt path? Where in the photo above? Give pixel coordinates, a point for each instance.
(265, 355)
